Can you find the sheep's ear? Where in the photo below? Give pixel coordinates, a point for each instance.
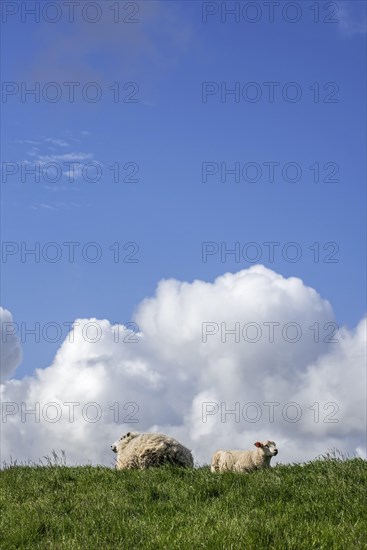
(258, 444)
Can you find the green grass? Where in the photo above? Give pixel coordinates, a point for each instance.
(321, 505)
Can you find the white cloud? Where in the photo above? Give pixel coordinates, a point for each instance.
(173, 376)
(58, 142)
(70, 164)
(10, 350)
(43, 206)
(27, 141)
(73, 156)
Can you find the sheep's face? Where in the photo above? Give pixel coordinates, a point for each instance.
(121, 443)
(269, 448)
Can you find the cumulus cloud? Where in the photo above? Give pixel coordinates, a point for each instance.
(11, 353)
(249, 356)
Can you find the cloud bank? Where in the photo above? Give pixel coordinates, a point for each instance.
(249, 356)
(10, 350)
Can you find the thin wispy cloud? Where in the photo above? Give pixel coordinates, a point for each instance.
(43, 206)
(59, 142)
(68, 52)
(73, 156)
(352, 18)
(58, 156)
(57, 206)
(27, 141)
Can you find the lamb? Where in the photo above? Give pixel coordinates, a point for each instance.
(244, 461)
(144, 450)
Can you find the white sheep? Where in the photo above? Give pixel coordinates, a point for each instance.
(139, 451)
(244, 461)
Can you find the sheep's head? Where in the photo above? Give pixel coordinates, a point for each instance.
(121, 443)
(269, 448)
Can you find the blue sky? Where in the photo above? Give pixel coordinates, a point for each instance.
(168, 133)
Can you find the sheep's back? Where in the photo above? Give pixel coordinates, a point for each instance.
(155, 450)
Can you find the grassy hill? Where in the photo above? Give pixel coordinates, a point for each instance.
(321, 505)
